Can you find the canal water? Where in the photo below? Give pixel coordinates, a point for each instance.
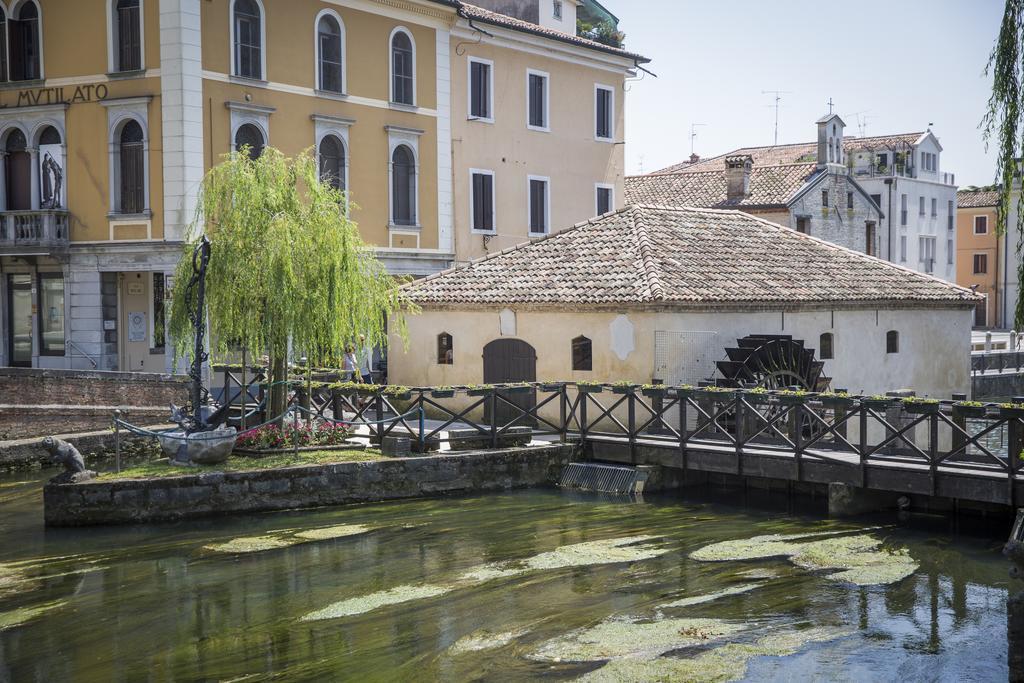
(505, 587)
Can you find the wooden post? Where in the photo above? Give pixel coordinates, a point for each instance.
(563, 400)
(739, 431)
(683, 401)
(493, 398)
(245, 387)
(933, 448)
(117, 439)
(631, 424)
(959, 439)
(798, 435)
(862, 445)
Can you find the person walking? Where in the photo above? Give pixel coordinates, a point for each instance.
(365, 361)
(350, 366)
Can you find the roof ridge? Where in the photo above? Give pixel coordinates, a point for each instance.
(646, 252)
(755, 167)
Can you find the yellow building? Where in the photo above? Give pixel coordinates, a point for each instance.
(537, 124)
(978, 255)
(111, 111)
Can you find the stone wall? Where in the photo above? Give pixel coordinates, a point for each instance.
(35, 402)
(112, 501)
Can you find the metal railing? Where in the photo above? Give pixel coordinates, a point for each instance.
(852, 432)
(997, 361)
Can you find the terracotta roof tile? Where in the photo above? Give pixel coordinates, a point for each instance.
(770, 186)
(485, 15)
(803, 152)
(976, 199)
(683, 258)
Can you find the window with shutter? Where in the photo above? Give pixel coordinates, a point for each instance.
(604, 200)
(403, 69)
(480, 90)
(403, 186)
(603, 107)
(538, 205)
(248, 39)
(329, 51)
(482, 200)
(129, 40)
(538, 105)
(132, 169)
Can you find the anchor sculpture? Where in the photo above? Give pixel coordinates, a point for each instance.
(202, 438)
(1014, 550)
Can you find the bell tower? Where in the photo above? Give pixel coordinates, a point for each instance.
(830, 140)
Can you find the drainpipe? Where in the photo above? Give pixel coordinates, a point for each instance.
(888, 182)
(995, 290)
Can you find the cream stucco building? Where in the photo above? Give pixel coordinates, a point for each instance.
(537, 126)
(658, 294)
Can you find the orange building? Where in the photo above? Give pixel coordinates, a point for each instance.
(978, 251)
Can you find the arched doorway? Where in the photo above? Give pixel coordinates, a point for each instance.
(510, 360)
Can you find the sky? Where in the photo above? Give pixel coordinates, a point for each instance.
(899, 65)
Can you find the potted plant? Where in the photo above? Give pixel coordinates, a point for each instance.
(876, 402)
(1011, 410)
(395, 392)
(622, 387)
(589, 387)
(518, 388)
(792, 397)
(442, 392)
(479, 389)
(920, 406)
(684, 391)
(757, 395)
(551, 386)
(969, 409)
(653, 390)
(839, 399)
(714, 393)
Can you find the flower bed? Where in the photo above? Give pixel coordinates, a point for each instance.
(274, 437)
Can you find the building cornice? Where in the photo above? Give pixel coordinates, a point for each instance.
(250, 108)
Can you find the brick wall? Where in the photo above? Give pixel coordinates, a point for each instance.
(35, 402)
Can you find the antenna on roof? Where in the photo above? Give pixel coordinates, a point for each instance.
(693, 134)
(778, 98)
(862, 122)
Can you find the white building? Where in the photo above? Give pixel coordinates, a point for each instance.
(901, 173)
(656, 293)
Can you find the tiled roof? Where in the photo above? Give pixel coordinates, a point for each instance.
(487, 16)
(802, 152)
(975, 199)
(770, 186)
(683, 258)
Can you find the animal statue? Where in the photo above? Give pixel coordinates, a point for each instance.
(63, 453)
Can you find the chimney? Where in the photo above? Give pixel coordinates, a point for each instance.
(737, 176)
(694, 158)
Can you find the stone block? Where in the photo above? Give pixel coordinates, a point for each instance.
(473, 440)
(272, 486)
(396, 446)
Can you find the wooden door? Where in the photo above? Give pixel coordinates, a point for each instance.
(19, 181)
(511, 360)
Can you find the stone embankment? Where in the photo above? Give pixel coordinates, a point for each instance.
(121, 501)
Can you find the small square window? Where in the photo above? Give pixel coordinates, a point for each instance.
(980, 264)
(582, 355)
(605, 200)
(892, 341)
(556, 9)
(981, 225)
(849, 200)
(824, 198)
(445, 352)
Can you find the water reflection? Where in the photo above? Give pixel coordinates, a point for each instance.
(152, 603)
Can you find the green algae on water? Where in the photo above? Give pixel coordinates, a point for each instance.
(627, 637)
(486, 640)
(249, 544)
(858, 559)
(368, 603)
(725, 663)
(700, 599)
(328, 532)
(17, 617)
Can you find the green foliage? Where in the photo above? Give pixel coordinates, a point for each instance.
(286, 265)
(970, 404)
(162, 468)
(917, 399)
(1004, 120)
(603, 32)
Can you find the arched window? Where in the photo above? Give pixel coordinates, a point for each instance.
(131, 168)
(582, 354)
(3, 44)
(329, 54)
(403, 186)
(25, 45)
(445, 351)
(403, 69)
(18, 172)
(251, 137)
(332, 162)
(248, 27)
(127, 30)
(892, 341)
(825, 351)
(51, 169)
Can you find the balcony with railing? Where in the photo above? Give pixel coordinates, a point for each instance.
(33, 230)
(884, 171)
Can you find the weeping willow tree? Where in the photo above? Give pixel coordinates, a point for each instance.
(287, 271)
(1004, 121)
